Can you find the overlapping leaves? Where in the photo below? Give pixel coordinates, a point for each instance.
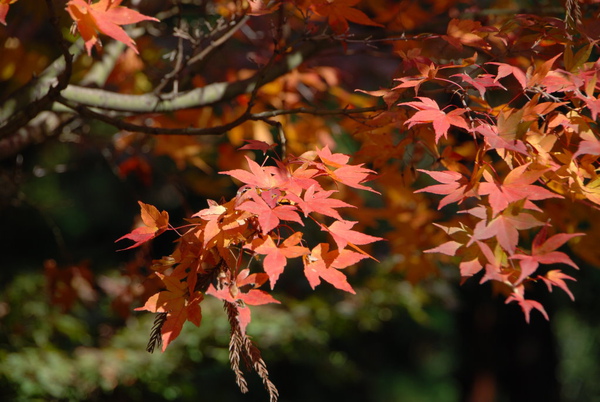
(273, 200)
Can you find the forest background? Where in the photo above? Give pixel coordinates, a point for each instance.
(471, 191)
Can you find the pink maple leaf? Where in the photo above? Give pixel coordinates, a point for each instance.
(557, 278)
(264, 177)
(517, 186)
(526, 304)
(505, 228)
(454, 187)
(343, 235)
(428, 111)
(544, 252)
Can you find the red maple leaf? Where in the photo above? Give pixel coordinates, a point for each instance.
(317, 200)
(429, 112)
(276, 256)
(336, 160)
(350, 175)
(269, 217)
(343, 235)
(517, 186)
(543, 251)
(155, 223)
(324, 264)
(105, 17)
(178, 304)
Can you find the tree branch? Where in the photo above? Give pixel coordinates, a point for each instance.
(216, 130)
(199, 97)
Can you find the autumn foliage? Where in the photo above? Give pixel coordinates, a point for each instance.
(477, 134)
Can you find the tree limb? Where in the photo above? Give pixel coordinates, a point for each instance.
(199, 97)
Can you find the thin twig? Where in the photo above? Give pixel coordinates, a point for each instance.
(216, 130)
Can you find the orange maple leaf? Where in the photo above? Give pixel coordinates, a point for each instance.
(105, 17)
(155, 223)
(339, 12)
(4, 6)
(277, 255)
(178, 304)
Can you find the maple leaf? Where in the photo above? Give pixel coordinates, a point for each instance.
(505, 228)
(593, 104)
(155, 223)
(556, 278)
(276, 256)
(178, 304)
(428, 111)
(526, 305)
(470, 268)
(517, 186)
(258, 145)
(339, 12)
(324, 264)
(234, 294)
(428, 73)
(543, 251)
(542, 71)
(588, 147)
(454, 187)
(105, 17)
(466, 32)
(343, 235)
(481, 83)
(211, 215)
(264, 177)
(448, 248)
(497, 141)
(4, 6)
(269, 217)
(316, 200)
(494, 265)
(350, 175)
(504, 70)
(336, 160)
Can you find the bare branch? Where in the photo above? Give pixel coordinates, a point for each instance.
(208, 95)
